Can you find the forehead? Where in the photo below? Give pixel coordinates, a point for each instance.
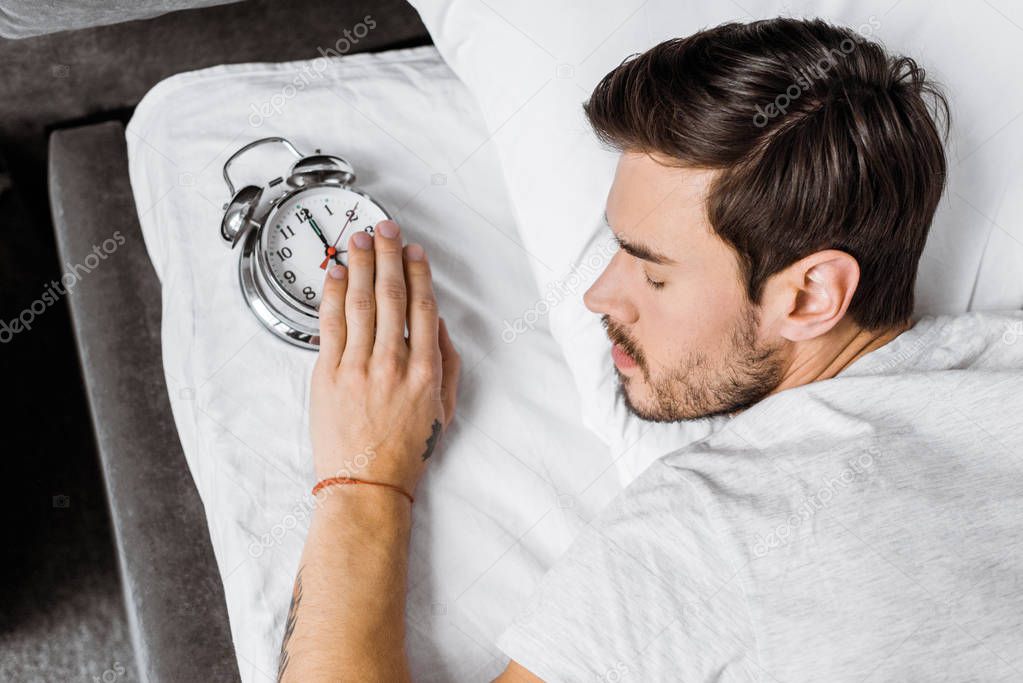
(660, 204)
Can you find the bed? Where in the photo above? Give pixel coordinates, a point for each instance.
(500, 181)
(517, 473)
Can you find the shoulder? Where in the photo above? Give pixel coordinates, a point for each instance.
(986, 340)
(647, 589)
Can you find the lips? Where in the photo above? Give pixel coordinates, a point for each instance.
(622, 360)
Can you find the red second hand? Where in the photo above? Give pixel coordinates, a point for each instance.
(332, 250)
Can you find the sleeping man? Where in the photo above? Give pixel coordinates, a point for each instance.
(858, 512)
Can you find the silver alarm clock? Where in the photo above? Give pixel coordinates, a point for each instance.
(289, 241)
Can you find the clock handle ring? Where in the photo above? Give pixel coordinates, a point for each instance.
(255, 143)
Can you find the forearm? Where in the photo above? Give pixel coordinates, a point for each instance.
(347, 619)
(371, 385)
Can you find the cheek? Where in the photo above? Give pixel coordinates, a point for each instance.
(695, 316)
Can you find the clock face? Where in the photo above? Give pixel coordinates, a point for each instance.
(309, 233)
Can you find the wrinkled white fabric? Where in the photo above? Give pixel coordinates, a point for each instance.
(516, 476)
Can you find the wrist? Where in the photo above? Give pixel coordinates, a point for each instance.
(363, 505)
(382, 466)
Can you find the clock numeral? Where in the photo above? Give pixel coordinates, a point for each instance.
(287, 232)
(369, 229)
(303, 215)
(327, 207)
(309, 293)
(284, 253)
(290, 277)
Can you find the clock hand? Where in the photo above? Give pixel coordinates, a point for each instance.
(319, 233)
(332, 250)
(351, 216)
(331, 254)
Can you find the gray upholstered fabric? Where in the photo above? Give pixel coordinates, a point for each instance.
(99, 73)
(23, 18)
(174, 598)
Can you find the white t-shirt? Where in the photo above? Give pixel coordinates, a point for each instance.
(864, 528)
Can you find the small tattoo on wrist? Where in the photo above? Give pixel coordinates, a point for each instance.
(431, 442)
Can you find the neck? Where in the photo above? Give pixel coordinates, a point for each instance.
(826, 356)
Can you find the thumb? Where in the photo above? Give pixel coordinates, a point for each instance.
(451, 364)
(333, 327)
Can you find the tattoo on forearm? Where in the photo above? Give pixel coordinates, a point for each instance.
(289, 626)
(431, 442)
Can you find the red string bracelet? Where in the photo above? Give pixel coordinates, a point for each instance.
(332, 481)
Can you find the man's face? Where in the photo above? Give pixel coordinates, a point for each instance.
(687, 341)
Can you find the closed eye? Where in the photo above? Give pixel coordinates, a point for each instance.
(629, 250)
(653, 283)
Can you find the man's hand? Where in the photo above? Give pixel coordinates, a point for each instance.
(379, 401)
(378, 405)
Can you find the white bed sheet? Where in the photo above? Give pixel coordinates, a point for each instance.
(517, 474)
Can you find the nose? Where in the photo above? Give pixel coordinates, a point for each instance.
(609, 296)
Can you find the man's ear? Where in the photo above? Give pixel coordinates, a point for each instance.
(814, 293)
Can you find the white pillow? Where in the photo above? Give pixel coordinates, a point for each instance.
(515, 478)
(532, 64)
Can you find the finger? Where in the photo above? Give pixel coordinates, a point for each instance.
(422, 307)
(360, 301)
(391, 293)
(332, 315)
(452, 365)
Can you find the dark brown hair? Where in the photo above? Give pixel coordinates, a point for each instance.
(822, 139)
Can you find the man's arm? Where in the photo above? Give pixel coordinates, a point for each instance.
(378, 405)
(358, 542)
(517, 674)
(347, 615)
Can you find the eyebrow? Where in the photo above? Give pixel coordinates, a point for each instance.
(638, 250)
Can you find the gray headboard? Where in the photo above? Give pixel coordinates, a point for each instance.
(24, 18)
